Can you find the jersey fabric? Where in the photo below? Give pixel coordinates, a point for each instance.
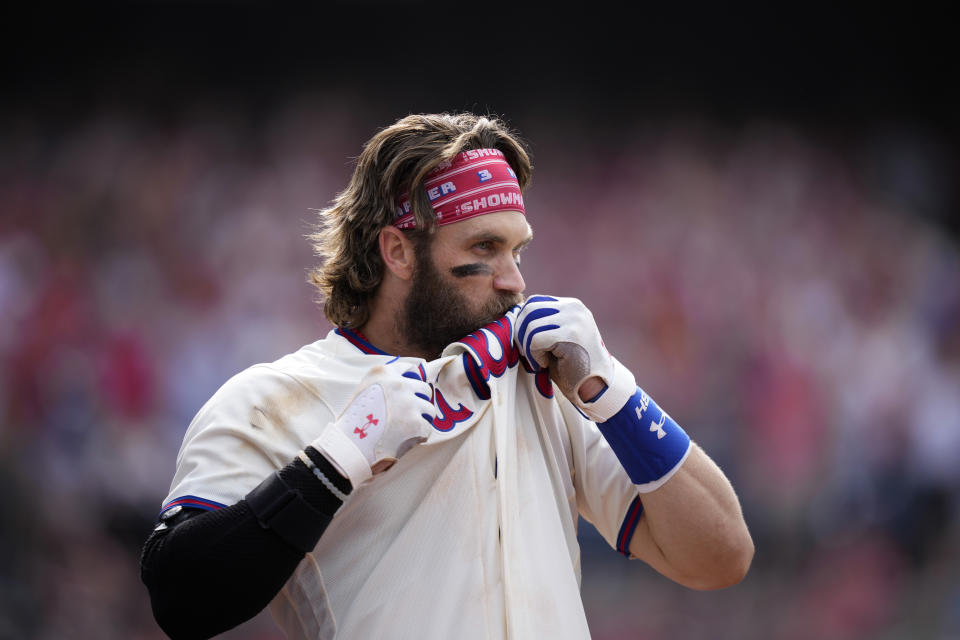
(470, 535)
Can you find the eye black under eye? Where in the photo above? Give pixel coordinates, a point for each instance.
(467, 270)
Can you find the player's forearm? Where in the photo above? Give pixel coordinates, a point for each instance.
(692, 529)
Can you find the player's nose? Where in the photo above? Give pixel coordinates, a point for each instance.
(509, 278)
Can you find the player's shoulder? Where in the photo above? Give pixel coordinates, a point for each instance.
(265, 379)
(326, 370)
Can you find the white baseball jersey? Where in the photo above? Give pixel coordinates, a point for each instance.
(470, 535)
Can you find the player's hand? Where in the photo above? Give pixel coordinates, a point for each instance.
(388, 414)
(561, 335)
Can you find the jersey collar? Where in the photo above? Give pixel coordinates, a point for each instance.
(360, 341)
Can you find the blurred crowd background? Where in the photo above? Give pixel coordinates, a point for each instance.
(778, 263)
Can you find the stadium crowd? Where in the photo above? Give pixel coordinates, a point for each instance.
(775, 288)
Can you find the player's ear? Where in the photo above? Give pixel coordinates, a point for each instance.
(397, 252)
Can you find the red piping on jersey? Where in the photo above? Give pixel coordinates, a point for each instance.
(629, 526)
(192, 502)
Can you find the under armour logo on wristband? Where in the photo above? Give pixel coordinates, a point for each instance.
(649, 461)
(362, 430)
(657, 427)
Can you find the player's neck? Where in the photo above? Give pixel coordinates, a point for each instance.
(388, 339)
(383, 329)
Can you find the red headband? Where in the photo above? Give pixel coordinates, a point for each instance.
(475, 182)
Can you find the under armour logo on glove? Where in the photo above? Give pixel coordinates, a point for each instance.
(362, 430)
(391, 412)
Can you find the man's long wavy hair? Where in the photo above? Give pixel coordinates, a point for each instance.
(394, 162)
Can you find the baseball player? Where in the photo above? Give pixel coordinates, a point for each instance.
(419, 472)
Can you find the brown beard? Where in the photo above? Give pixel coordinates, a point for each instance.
(435, 313)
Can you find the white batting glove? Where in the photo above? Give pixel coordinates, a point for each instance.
(388, 414)
(561, 335)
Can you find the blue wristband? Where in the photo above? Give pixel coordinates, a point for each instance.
(647, 441)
